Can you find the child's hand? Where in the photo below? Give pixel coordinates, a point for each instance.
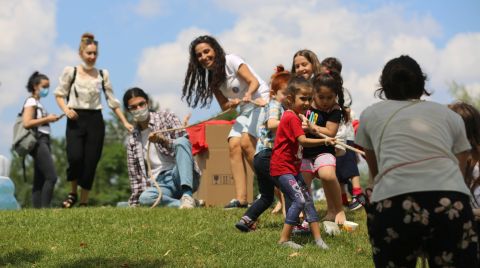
(330, 141)
(306, 124)
(233, 103)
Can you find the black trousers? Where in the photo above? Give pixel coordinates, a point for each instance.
(266, 185)
(44, 177)
(84, 146)
(436, 224)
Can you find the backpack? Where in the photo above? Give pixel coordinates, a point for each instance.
(24, 140)
(100, 71)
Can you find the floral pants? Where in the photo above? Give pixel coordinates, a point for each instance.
(437, 224)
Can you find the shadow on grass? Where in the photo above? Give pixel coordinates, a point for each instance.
(113, 262)
(20, 256)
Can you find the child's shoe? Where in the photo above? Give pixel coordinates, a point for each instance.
(303, 228)
(245, 224)
(358, 201)
(290, 244)
(321, 244)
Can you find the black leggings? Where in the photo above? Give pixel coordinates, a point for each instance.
(84, 146)
(44, 177)
(266, 184)
(436, 224)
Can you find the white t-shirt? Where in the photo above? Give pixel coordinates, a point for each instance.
(415, 134)
(159, 161)
(236, 87)
(40, 113)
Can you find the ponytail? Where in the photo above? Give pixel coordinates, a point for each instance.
(34, 80)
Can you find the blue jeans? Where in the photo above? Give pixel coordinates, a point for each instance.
(294, 188)
(171, 181)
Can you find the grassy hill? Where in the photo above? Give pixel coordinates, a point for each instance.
(163, 237)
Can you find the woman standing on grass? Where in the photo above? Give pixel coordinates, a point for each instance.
(82, 86)
(234, 83)
(35, 116)
(416, 151)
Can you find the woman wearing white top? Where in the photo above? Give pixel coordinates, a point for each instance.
(82, 87)
(36, 117)
(234, 83)
(416, 152)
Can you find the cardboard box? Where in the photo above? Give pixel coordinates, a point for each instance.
(217, 186)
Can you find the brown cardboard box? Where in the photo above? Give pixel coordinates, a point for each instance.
(217, 186)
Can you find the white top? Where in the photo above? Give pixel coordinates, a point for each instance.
(426, 133)
(40, 113)
(89, 90)
(160, 162)
(236, 87)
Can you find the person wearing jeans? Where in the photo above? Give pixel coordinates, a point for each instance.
(169, 154)
(171, 181)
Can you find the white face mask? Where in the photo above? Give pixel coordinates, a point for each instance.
(87, 67)
(140, 115)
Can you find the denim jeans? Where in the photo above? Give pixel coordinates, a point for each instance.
(171, 181)
(294, 188)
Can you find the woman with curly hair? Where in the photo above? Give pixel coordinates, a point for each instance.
(212, 72)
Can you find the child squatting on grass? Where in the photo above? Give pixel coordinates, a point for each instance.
(286, 161)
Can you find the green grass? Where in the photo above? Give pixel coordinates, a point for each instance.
(143, 237)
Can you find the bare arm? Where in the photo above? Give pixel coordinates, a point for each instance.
(224, 103)
(272, 124)
(307, 142)
(330, 129)
(372, 165)
(122, 118)
(462, 161)
(63, 106)
(29, 121)
(252, 82)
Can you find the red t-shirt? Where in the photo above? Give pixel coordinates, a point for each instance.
(287, 156)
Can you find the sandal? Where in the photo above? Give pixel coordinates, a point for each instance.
(70, 201)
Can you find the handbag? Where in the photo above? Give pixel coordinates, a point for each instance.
(24, 140)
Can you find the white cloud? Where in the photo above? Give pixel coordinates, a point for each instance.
(151, 8)
(269, 33)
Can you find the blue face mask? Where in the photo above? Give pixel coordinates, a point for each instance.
(44, 92)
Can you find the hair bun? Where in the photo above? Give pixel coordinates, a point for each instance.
(88, 36)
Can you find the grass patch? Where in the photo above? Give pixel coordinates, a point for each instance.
(164, 237)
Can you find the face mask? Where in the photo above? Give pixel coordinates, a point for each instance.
(43, 92)
(140, 115)
(87, 67)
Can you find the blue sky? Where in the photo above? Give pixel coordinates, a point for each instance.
(145, 43)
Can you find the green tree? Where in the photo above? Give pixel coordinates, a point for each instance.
(460, 92)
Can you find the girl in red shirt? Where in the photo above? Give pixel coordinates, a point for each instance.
(286, 160)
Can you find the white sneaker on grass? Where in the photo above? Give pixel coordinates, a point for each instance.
(187, 202)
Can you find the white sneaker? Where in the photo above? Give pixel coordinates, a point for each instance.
(187, 202)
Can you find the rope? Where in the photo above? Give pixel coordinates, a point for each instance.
(149, 166)
(343, 144)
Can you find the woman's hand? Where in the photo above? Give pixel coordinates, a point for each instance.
(52, 118)
(157, 138)
(247, 97)
(71, 114)
(233, 103)
(128, 126)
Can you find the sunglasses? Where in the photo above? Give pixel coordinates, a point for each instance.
(89, 41)
(136, 106)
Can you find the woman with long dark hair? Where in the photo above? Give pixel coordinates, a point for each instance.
(212, 72)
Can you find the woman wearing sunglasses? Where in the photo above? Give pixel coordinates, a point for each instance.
(78, 95)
